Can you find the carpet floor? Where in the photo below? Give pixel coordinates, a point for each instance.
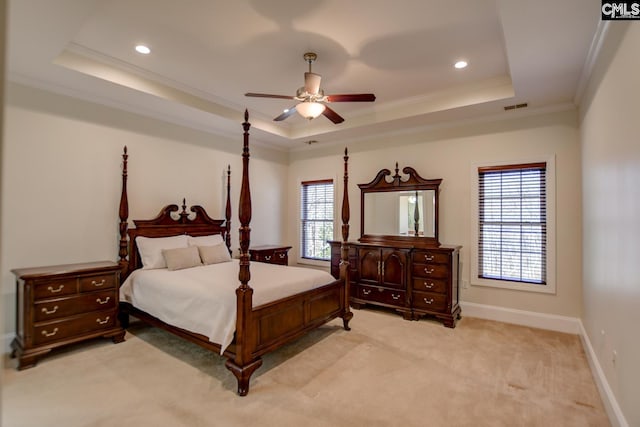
(384, 372)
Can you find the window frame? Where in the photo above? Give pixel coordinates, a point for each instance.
(301, 258)
(550, 285)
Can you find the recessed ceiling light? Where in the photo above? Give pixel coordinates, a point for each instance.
(460, 64)
(143, 49)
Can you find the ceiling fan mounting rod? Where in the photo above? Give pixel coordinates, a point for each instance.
(310, 57)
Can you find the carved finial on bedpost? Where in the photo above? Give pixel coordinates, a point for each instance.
(344, 248)
(227, 212)
(124, 215)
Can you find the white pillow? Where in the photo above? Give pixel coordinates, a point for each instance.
(180, 258)
(210, 240)
(214, 254)
(150, 249)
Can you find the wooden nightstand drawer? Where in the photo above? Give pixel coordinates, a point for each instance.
(55, 288)
(69, 327)
(95, 283)
(270, 254)
(56, 308)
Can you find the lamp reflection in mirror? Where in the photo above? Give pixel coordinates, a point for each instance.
(310, 110)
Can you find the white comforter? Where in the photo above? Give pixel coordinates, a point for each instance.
(203, 299)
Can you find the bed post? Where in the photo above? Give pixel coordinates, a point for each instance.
(124, 215)
(344, 248)
(242, 365)
(227, 212)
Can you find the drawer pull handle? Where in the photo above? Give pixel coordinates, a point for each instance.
(428, 258)
(428, 301)
(428, 270)
(94, 283)
(281, 255)
(45, 311)
(99, 301)
(53, 291)
(102, 322)
(50, 334)
(428, 285)
(396, 297)
(366, 291)
(267, 257)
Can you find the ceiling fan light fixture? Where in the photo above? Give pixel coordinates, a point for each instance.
(310, 110)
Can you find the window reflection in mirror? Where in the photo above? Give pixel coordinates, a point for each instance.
(394, 213)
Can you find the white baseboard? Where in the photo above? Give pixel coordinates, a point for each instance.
(552, 322)
(616, 417)
(7, 338)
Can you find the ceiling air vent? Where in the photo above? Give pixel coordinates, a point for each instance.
(516, 106)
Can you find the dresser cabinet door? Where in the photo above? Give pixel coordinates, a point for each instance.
(393, 268)
(369, 265)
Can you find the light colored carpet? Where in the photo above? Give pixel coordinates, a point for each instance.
(385, 372)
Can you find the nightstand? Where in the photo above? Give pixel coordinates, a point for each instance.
(271, 254)
(64, 304)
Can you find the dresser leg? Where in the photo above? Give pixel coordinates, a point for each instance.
(118, 337)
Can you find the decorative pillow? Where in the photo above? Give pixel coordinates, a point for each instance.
(180, 258)
(214, 254)
(150, 249)
(210, 240)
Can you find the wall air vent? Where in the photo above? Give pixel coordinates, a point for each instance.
(516, 106)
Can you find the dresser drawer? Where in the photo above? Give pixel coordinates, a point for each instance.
(55, 331)
(440, 271)
(55, 288)
(429, 301)
(430, 257)
(56, 308)
(429, 285)
(381, 295)
(99, 282)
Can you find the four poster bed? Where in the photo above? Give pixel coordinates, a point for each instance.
(288, 301)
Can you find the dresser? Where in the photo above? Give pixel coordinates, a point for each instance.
(271, 254)
(64, 304)
(398, 261)
(414, 281)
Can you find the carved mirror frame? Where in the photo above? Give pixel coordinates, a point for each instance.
(414, 182)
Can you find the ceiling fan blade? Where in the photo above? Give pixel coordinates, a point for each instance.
(266, 95)
(312, 82)
(354, 97)
(332, 115)
(285, 114)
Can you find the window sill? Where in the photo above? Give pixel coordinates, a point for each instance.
(548, 288)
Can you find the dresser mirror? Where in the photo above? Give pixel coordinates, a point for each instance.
(403, 209)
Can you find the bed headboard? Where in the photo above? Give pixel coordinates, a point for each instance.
(171, 221)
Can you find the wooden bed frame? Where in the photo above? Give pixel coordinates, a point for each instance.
(258, 329)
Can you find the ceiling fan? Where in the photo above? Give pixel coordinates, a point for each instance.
(312, 98)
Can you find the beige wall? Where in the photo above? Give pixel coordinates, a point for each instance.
(62, 180)
(611, 187)
(450, 154)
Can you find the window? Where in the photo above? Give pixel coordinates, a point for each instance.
(316, 214)
(512, 223)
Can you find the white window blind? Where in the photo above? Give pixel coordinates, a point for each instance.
(512, 237)
(316, 213)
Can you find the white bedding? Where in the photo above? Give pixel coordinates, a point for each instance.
(203, 299)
